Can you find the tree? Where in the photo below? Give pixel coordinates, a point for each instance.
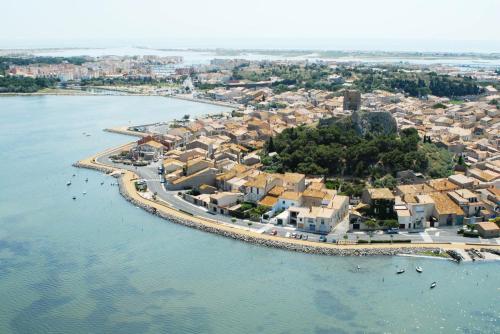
(270, 145)
(185, 117)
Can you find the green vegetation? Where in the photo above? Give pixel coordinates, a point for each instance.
(440, 160)
(23, 61)
(353, 188)
(337, 149)
(387, 181)
(17, 84)
(415, 84)
(20, 84)
(250, 211)
(123, 81)
(312, 76)
(433, 253)
(439, 106)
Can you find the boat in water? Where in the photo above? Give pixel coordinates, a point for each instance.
(419, 269)
(400, 271)
(74, 197)
(85, 193)
(68, 183)
(87, 179)
(433, 285)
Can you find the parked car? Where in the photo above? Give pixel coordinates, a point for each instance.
(322, 238)
(392, 231)
(273, 232)
(305, 237)
(294, 235)
(287, 234)
(334, 241)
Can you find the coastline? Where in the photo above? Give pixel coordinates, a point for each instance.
(164, 210)
(75, 92)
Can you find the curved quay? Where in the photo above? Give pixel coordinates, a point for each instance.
(164, 210)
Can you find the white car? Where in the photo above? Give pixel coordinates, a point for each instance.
(287, 234)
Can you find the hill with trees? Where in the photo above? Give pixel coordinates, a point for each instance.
(338, 149)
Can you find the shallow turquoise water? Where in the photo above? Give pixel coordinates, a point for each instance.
(100, 265)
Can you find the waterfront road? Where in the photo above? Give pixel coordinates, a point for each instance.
(340, 232)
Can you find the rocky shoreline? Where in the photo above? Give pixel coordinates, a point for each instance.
(102, 169)
(318, 250)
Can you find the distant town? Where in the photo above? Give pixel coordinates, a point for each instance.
(327, 151)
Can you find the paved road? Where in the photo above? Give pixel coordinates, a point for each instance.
(150, 174)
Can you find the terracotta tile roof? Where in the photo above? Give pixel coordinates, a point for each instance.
(291, 195)
(380, 193)
(444, 205)
(268, 201)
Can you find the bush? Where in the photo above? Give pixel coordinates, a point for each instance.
(389, 241)
(471, 234)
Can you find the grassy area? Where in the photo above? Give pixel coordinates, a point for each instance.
(456, 102)
(431, 253)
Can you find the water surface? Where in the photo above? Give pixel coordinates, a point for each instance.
(101, 265)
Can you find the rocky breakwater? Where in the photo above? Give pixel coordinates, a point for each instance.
(102, 169)
(276, 243)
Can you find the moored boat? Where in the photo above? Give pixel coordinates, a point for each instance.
(68, 183)
(433, 285)
(400, 271)
(419, 269)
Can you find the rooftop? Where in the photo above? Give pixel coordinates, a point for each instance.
(380, 193)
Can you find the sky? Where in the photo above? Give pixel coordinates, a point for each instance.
(426, 25)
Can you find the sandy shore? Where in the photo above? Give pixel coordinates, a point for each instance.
(163, 209)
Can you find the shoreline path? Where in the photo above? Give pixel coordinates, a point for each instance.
(165, 210)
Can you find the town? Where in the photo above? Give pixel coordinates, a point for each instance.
(229, 167)
(437, 178)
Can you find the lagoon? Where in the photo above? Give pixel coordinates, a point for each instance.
(101, 265)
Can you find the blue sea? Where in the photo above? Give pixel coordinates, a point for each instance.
(100, 265)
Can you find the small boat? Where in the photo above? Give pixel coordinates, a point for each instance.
(433, 285)
(419, 269)
(102, 183)
(85, 193)
(68, 183)
(74, 197)
(400, 271)
(87, 180)
(74, 175)
(358, 267)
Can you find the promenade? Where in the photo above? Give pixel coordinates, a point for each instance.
(167, 210)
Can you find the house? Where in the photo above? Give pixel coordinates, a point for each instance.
(171, 165)
(468, 201)
(442, 185)
(258, 186)
(321, 219)
(446, 212)
(148, 150)
(483, 175)
(289, 199)
(463, 181)
(488, 230)
(186, 155)
(294, 182)
(222, 201)
(380, 201)
(197, 164)
(205, 176)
